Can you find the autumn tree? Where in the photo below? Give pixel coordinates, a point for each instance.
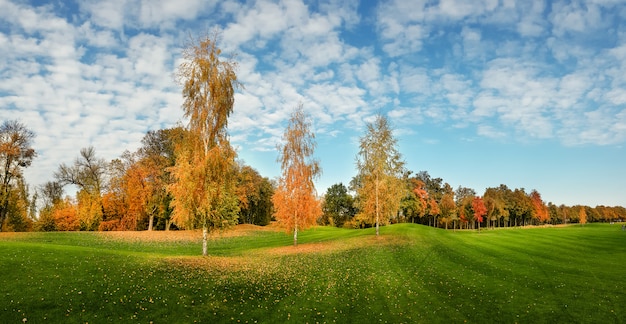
(380, 166)
(16, 153)
(434, 210)
(540, 210)
(582, 216)
(203, 188)
(88, 174)
(295, 199)
(51, 195)
(447, 206)
(479, 209)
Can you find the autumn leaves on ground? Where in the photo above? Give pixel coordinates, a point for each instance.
(410, 273)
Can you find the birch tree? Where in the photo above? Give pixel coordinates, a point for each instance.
(202, 191)
(295, 199)
(380, 167)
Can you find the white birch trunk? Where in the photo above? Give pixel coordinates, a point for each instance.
(205, 234)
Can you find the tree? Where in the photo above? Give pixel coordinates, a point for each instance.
(540, 210)
(338, 205)
(380, 167)
(582, 216)
(51, 194)
(434, 210)
(203, 188)
(159, 151)
(295, 199)
(88, 174)
(255, 196)
(447, 205)
(496, 204)
(16, 153)
(478, 206)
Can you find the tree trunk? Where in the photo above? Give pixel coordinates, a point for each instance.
(205, 234)
(295, 236)
(150, 222)
(377, 212)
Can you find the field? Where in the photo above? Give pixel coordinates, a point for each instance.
(410, 274)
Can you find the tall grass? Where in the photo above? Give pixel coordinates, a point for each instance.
(410, 274)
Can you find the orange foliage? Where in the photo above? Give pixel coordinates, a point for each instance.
(294, 199)
(419, 189)
(434, 207)
(582, 215)
(65, 216)
(478, 206)
(539, 208)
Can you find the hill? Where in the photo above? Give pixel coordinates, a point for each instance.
(411, 273)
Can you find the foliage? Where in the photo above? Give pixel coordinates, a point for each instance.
(540, 210)
(338, 206)
(65, 216)
(380, 168)
(479, 210)
(255, 196)
(295, 200)
(447, 206)
(202, 190)
(582, 216)
(88, 175)
(16, 153)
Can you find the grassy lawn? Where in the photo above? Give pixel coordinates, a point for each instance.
(410, 274)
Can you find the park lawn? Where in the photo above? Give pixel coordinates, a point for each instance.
(411, 273)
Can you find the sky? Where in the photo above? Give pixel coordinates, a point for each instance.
(531, 94)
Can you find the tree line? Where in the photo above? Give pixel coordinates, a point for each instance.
(189, 177)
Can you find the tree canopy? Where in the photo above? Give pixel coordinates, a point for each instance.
(380, 168)
(295, 198)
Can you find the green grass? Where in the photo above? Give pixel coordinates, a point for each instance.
(411, 274)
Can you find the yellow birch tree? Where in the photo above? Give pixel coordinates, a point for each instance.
(202, 190)
(380, 168)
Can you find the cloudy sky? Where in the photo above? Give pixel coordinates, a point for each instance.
(530, 94)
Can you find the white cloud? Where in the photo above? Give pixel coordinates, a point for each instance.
(576, 17)
(505, 69)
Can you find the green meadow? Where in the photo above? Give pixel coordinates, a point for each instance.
(410, 274)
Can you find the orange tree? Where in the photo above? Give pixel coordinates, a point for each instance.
(295, 199)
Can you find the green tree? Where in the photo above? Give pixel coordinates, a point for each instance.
(496, 205)
(380, 168)
(338, 205)
(159, 150)
(255, 196)
(203, 190)
(295, 199)
(16, 153)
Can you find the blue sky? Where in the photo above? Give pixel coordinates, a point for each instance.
(529, 94)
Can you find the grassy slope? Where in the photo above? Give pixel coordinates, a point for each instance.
(411, 274)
